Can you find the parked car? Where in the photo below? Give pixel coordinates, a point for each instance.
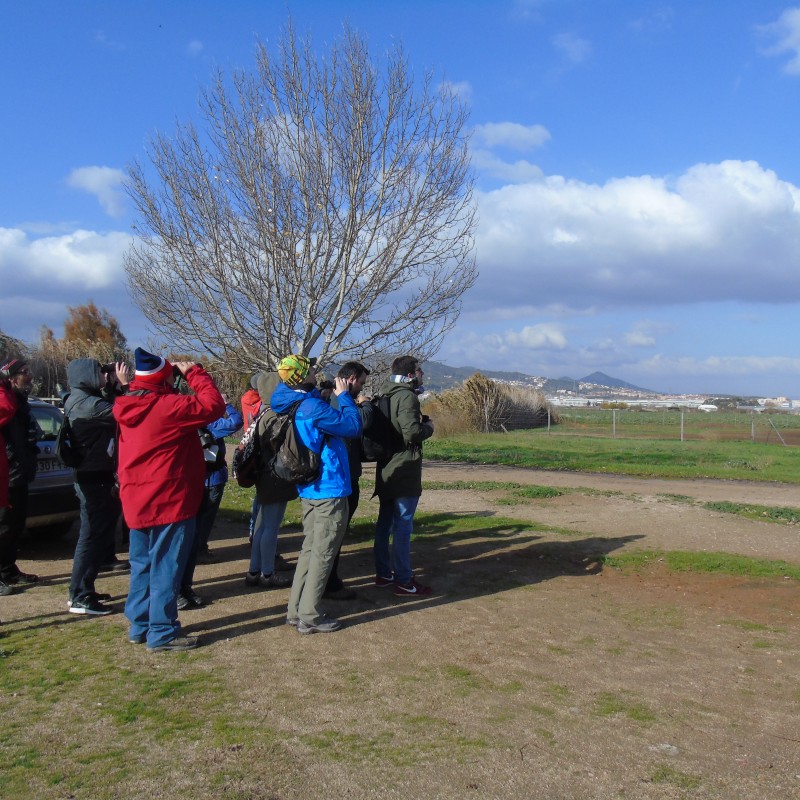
(52, 504)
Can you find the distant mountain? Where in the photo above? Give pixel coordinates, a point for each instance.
(439, 377)
(601, 379)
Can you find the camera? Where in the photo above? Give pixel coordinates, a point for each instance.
(108, 369)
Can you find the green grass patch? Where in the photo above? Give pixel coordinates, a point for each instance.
(645, 457)
(609, 704)
(683, 780)
(780, 514)
(711, 563)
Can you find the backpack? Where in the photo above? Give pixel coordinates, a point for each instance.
(292, 460)
(380, 441)
(65, 450)
(247, 455)
(213, 454)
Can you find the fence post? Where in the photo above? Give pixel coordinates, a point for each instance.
(752, 429)
(682, 425)
(614, 423)
(548, 419)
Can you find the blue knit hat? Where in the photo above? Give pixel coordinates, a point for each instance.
(150, 368)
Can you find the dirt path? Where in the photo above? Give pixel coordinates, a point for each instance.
(530, 672)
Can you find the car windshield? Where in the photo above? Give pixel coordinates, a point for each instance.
(48, 421)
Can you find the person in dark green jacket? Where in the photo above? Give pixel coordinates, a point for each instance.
(398, 480)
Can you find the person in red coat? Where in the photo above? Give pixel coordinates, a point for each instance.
(8, 407)
(161, 475)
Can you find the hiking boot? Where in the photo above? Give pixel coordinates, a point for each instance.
(189, 599)
(411, 588)
(342, 593)
(381, 581)
(6, 589)
(252, 579)
(176, 645)
(325, 625)
(137, 638)
(89, 606)
(282, 565)
(293, 621)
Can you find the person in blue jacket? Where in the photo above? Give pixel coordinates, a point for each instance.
(216, 478)
(324, 501)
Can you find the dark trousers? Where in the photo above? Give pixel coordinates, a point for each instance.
(100, 509)
(12, 526)
(212, 497)
(334, 581)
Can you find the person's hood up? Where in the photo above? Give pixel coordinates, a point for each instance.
(84, 373)
(284, 397)
(267, 384)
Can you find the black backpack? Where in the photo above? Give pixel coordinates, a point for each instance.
(291, 460)
(65, 449)
(247, 455)
(380, 441)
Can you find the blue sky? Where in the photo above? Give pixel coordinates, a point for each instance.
(637, 168)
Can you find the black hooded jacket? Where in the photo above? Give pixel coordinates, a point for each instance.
(92, 425)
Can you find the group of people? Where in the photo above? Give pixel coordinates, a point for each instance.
(157, 455)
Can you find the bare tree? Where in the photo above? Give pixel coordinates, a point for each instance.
(326, 208)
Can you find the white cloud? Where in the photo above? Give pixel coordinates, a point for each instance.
(489, 165)
(511, 135)
(462, 89)
(638, 338)
(83, 260)
(194, 48)
(44, 275)
(719, 365)
(785, 37)
(575, 48)
(105, 183)
(728, 231)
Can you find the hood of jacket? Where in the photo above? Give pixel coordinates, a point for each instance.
(284, 397)
(84, 374)
(267, 384)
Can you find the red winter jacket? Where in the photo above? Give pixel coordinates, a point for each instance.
(251, 404)
(161, 466)
(8, 406)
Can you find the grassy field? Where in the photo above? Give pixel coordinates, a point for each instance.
(539, 449)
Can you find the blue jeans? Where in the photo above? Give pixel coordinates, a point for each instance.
(268, 518)
(100, 510)
(395, 520)
(158, 557)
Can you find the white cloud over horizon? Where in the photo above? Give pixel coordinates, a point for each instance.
(717, 232)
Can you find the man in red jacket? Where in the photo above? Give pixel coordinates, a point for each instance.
(161, 475)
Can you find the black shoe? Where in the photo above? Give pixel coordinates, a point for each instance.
(282, 565)
(6, 589)
(206, 557)
(274, 581)
(101, 597)
(89, 606)
(189, 599)
(22, 577)
(342, 593)
(117, 565)
(175, 645)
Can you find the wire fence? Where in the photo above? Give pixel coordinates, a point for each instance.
(781, 429)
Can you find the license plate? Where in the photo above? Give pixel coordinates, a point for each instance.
(49, 464)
